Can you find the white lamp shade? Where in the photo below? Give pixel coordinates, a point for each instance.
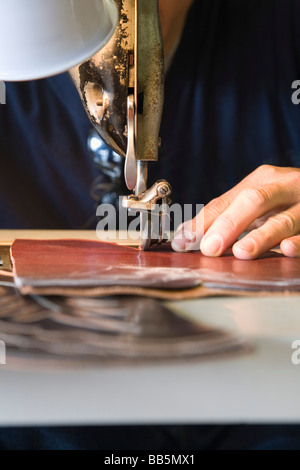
(39, 38)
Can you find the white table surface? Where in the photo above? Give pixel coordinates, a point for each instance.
(260, 386)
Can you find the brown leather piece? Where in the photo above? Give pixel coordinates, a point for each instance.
(79, 267)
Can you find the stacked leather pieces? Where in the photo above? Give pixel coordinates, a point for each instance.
(66, 331)
(78, 326)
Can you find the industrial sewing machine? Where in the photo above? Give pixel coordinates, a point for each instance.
(121, 85)
(122, 88)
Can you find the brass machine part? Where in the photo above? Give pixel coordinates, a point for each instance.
(148, 200)
(151, 205)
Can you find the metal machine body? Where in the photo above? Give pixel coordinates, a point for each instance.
(122, 89)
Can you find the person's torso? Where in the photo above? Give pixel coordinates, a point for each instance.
(227, 110)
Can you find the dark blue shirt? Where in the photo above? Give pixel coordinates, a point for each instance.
(228, 109)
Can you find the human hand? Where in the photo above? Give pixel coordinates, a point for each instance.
(266, 204)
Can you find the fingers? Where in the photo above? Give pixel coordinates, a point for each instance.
(189, 234)
(290, 247)
(283, 226)
(224, 219)
(246, 207)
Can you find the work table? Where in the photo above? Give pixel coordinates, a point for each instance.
(261, 385)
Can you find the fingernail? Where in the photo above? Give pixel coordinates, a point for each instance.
(178, 244)
(246, 245)
(182, 239)
(293, 245)
(211, 245)
(289, 248)
(188, 236)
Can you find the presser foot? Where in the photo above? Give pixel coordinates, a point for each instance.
(152, 205)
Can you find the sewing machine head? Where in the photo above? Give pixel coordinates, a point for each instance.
(121, 86)
(122, 89)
